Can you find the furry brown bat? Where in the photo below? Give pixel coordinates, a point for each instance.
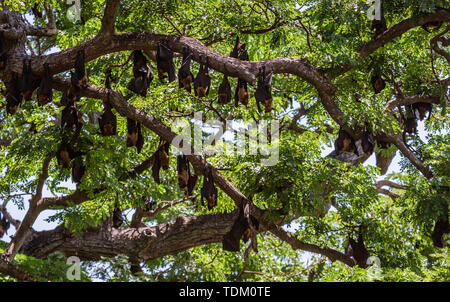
(421, 109)
(65, 154)
(378, 83)
(379, 26)
(241, 93)
(164, 62)
(185, 76)
(108, 120)
(80, 79)
(263, 93)
(224, 92)
(183, 171)
(117, 218)
(345, 143)
(240, 230)
(13, 95)
(359, 251)
(4, 225)
(78, 169)
(209, 191)
(134, 135)
(367, 142)
(3, 54)
(29, 82)
(45, 91)
(142, 75)
(202, 81)
(411, 125)
(70, 116)
(160, 159)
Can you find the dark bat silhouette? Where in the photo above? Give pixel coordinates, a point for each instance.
(80, 79)
(65, 153)
(117, 218)
(4, 225)
(263, 93)
(378, 83)
(164, 62)
(441, 227)
(367, 142)
(160, 159)
(183, 171)
(3, 54)
(45, 91)
(241, 93)
(70, 116)
(108, 120)
(142, 75)
(13, 95)
(209, 191)
(411, 125)
(185, 76)
(359, 251)
(345, 143)
(240, 230)
(78, 169)
(224, 92)
(202, 81)
(421, 109)
(379, 26)
(134, 135)
(29, 82)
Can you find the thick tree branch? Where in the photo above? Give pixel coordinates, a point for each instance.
(296, 244)
(109, 17)
(30, 217)
(389, 35)
(12, 270)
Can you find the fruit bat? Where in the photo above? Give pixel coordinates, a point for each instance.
(378, 83)
(108, 120)
(263, 93)
(359, 251)
(209, 191)
(134, 134)
(202, 81)
(224, 91)
(160, 159)
(421, 109)
(345, 143)
(164, 62)
(13, 95)
(45, 91)
(80, 79)
(185, 76)
(142, 75)
(78, 169)
(29, 82)
(117, 218)
(240, 230)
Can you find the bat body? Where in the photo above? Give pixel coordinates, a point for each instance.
(241, 93)
(202, 81)
(164, 62)
(209, 191)
(45, 91)
(345, 143)
(29, 82)
(185, 76)
(142, 75)
(263, 93)
(421, 109)
(13, 95)
(224, 92)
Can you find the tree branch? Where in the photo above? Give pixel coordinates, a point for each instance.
(109, 17)
(296, 244)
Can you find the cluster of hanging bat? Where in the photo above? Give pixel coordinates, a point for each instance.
(22, 87)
